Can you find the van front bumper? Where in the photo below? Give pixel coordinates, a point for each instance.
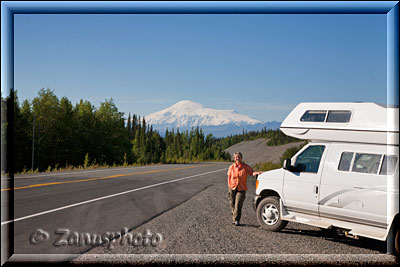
(255, 202)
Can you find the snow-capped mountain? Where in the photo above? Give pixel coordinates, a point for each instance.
(187, 114)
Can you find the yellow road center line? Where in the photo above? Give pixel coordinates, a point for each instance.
(101, 178)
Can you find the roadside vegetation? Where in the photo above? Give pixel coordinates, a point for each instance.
(64, 136)
(267, 166)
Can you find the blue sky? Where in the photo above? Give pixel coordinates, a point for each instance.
(258, 65)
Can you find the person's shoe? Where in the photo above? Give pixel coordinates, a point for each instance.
(237, 223)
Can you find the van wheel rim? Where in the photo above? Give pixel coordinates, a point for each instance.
(270, 214)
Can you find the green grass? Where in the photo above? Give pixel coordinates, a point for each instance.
(267, 166)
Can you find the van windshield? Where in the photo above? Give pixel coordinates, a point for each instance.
(309, 159)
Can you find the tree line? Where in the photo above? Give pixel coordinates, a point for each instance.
(52, 133)
(61, 134)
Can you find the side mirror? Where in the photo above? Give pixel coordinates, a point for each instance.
(286, 164)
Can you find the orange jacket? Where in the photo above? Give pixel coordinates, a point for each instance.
(237, 176)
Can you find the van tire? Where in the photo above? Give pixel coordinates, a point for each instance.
(269, 214)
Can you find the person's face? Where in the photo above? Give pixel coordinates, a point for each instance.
(237, 159)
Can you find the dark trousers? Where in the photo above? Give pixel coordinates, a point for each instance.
(236, 198)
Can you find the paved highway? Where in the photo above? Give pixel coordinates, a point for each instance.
(97, 202)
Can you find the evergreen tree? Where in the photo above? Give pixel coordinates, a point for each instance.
(134, 126)
(129, 125)
(22, 134)
(87, 135)
(45, 110)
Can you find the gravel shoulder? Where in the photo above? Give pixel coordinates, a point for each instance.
(200, 230)
(256, 151)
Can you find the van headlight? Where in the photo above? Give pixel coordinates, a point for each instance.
(256, 184)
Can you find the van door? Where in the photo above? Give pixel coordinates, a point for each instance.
(302, 184)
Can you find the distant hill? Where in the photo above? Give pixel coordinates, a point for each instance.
(187, 114)
(257, 150)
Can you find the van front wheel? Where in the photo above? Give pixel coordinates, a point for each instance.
(268, 214)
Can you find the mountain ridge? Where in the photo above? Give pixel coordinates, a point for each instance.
(186, 114)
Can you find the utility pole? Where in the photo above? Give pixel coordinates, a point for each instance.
(33, 140)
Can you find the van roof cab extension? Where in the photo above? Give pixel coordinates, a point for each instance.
(346, 122)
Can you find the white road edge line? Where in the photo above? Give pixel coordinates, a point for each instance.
(109, 196)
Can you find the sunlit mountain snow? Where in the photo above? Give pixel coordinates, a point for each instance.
(187, 113)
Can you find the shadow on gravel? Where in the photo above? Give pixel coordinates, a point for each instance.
(332, 235)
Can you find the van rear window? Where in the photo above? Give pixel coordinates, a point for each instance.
(339, 116)
(388, 165)
(368, 163)
(336, 116)
(345, 161)
(314, 115)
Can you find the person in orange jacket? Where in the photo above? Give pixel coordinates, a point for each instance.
(237, 184)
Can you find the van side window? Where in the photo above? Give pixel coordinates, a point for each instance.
(366, 163)
(388, 165)
(345, 161)
(309, 159)
(339, 116)
(314, 115)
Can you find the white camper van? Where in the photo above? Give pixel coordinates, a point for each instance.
(346, 177)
